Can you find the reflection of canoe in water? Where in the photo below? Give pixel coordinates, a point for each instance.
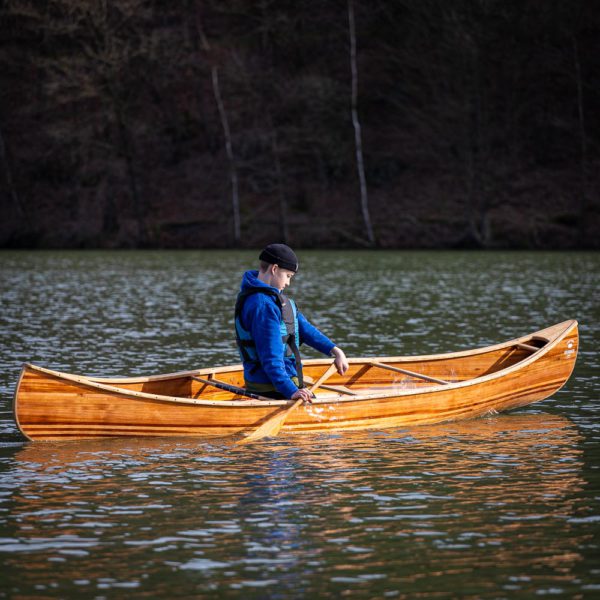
(510, 434)
(500, 490)
(374, 393)
(554, 438)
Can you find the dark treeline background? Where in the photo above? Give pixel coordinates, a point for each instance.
(188, 123)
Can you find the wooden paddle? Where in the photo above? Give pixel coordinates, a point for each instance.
(229, 388)
(271, 427)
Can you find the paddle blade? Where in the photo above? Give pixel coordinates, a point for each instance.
(271, 427)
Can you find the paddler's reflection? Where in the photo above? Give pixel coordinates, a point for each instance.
(281, 499)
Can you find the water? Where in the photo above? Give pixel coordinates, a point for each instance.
(502, 507)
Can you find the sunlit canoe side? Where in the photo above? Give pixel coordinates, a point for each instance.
(374, 393)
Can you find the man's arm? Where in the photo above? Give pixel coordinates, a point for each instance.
(310, 335)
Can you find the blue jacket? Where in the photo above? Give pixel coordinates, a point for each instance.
(261, 317)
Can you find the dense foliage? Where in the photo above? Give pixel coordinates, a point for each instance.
(189, 123)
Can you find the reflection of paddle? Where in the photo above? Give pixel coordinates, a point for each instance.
(271, 427)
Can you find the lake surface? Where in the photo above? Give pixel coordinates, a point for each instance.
(501, 507)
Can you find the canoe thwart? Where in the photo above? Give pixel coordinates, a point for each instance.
(410, 373)
(324, 377)
(528, 347)
(342, 389)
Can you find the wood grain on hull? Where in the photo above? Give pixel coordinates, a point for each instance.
(52, 406)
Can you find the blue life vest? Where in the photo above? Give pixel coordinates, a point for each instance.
(288, 326)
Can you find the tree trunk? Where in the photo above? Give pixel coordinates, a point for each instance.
(233, 173)
(235, 200)
(478, 205)
(127, 149)
(364, 200)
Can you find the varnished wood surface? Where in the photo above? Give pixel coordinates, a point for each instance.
(50, 405)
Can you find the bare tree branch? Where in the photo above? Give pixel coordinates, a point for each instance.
(364, 200)
(233, 172)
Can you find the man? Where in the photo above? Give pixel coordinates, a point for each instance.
(270, 329)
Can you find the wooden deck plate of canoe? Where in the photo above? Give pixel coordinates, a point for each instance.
(375, 393)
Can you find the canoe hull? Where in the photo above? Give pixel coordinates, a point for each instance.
(53, 406)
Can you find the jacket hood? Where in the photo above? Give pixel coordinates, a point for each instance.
(251, 280)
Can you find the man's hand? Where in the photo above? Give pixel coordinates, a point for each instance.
(341, 362)
(304, 394)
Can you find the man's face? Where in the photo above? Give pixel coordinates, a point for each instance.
(281, 278)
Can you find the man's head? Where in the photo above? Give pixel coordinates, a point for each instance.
(278, 264)
(280, 254)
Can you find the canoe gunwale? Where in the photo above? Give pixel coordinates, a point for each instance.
(557, 333)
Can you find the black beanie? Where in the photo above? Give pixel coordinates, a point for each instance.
(280, 254)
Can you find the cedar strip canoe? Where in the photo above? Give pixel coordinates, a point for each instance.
(375, 393)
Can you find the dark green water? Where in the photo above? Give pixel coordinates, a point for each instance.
(501, 507)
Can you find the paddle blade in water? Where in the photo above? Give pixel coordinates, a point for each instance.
(270, 427)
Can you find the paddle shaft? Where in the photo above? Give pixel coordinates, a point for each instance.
(298, 402)
(323, 378)
(230, 388)
(272, 426)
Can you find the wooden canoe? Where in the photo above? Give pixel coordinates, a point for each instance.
(375, 393)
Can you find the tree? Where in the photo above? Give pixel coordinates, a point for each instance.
(86, 54)
(360, 165)
(233, 169)
(109, 43)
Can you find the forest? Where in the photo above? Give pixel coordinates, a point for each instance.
(347, 123)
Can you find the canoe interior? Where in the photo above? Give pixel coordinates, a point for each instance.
(361, 378)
